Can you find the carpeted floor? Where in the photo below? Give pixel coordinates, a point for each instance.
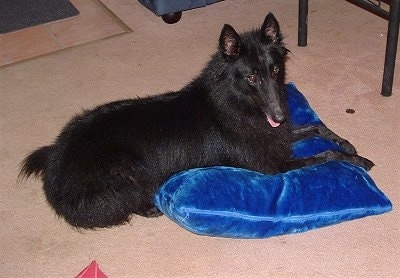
(341, 68)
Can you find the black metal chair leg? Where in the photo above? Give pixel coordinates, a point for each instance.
(303, 21)
(391, 48)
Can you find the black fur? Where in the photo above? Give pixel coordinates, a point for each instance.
(108, 162)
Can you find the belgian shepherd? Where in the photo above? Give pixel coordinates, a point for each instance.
(108, 162)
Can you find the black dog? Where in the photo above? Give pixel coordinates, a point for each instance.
(108, 162)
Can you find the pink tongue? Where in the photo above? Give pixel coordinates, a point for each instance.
(272, 122)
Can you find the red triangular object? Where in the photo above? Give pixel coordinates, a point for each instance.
(91, 271)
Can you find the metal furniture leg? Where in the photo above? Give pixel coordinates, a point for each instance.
(392, 36)
(303, 21)
(391, 48)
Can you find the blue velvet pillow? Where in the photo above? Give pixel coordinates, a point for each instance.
(238, 203)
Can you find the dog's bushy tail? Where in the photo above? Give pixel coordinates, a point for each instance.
(35, 163)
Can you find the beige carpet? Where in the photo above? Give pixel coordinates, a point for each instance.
(341, 68)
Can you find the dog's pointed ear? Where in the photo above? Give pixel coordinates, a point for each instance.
(270, 29)
(229, 42)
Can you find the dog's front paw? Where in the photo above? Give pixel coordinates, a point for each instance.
(368, 164)
(363, 162)
(347, 147)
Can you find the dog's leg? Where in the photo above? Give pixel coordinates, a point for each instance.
(151, 212)
(325, 132)
(330, 156)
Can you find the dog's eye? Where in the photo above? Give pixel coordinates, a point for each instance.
(275, 71)
(252, 78)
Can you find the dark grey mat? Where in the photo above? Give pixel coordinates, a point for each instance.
(19, 14)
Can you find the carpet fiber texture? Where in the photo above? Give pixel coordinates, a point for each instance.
(20, 14)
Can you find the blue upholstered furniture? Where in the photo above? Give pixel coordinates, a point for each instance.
(171, 10)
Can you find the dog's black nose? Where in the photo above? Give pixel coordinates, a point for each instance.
(280, 118)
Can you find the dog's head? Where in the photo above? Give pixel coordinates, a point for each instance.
(255, 62)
